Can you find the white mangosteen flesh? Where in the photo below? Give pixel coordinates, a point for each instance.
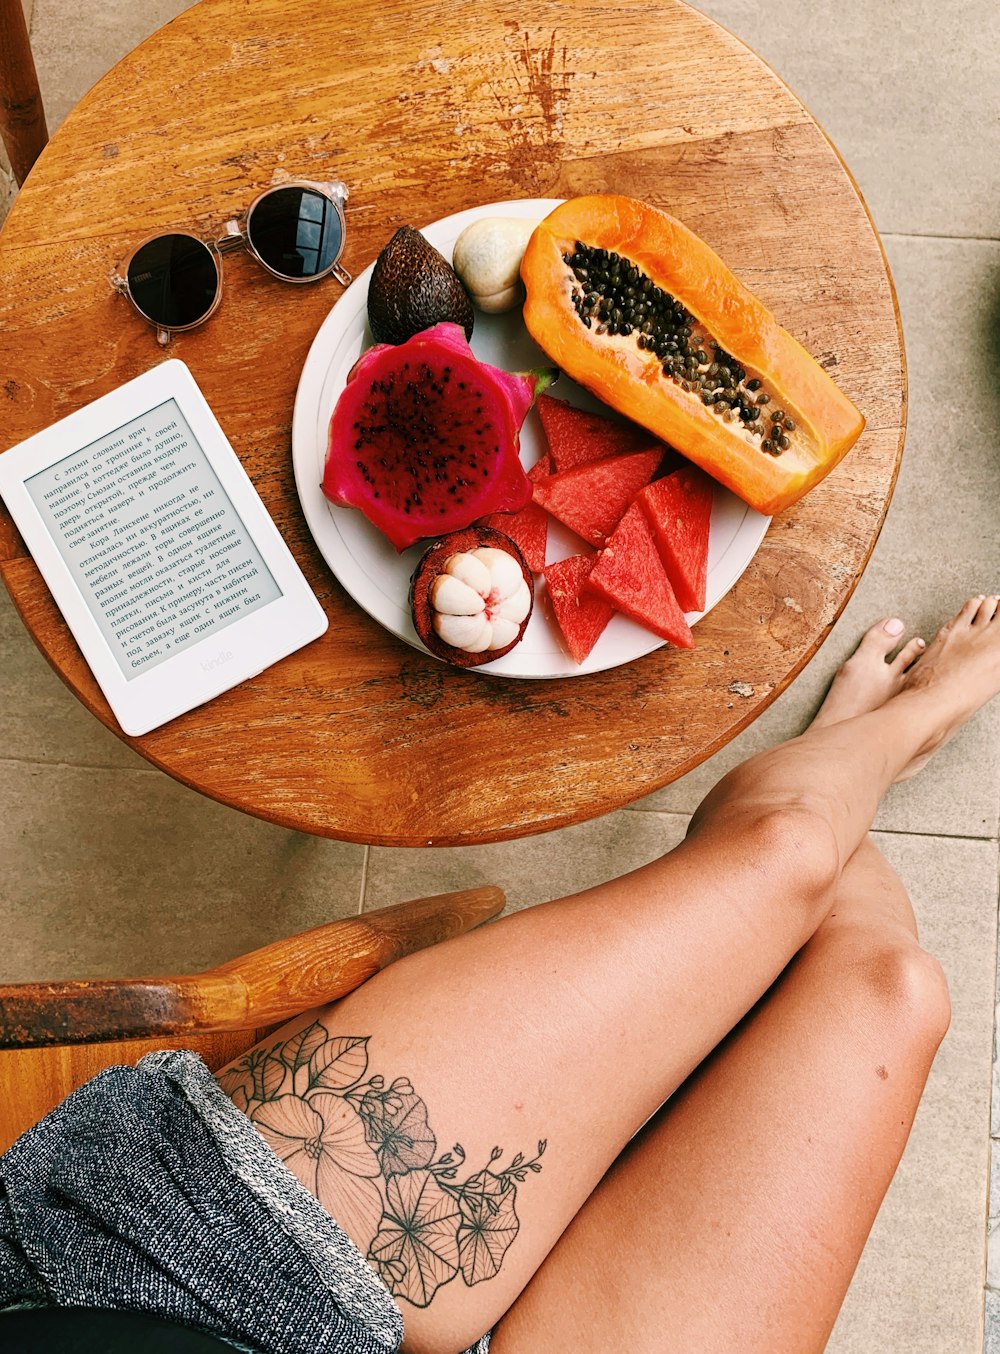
(479, 601)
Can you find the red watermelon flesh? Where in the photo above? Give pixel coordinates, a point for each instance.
(679, 509)
(528, 529)
(577, 438)
(593, 499)
(582, 616)
(542, 468)
(629, 574)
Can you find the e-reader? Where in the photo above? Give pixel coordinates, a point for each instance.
(157, 549)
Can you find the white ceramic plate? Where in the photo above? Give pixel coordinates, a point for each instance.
(366, 564)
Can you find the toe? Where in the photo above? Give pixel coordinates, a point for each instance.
(908, 654)
(882, 638)
(968, 613)
(987, 609)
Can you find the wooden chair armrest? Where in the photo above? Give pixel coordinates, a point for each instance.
(264, 987)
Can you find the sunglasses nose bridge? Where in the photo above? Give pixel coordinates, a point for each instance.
(234, 236)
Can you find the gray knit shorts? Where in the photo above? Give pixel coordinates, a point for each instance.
(148, 1190)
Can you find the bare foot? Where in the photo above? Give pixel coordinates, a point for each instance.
(959, 672)
(870, 676)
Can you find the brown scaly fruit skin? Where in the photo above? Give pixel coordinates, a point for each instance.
(628, 378)
(412, 288)
(432, 563)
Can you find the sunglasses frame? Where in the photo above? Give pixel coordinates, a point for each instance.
(236, 236)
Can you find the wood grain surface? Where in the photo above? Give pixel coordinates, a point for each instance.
(425, 110)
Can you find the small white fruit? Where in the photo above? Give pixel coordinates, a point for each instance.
(504, 632)
(487, 257)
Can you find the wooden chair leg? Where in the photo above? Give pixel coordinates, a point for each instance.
(34, 1081)
(22, 116)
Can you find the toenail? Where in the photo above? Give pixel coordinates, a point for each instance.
(893, 627)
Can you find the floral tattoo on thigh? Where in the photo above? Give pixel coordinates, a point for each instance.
(366, 1150)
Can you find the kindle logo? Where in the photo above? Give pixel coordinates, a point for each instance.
(223, 656)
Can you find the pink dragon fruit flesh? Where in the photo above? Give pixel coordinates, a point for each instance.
(424, 437)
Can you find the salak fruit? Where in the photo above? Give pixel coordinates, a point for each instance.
(412, 287)
(424, 437)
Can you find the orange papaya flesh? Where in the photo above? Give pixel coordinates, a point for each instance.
(725, 318)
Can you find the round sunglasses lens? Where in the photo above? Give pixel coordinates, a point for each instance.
(173, 280)
(296, 231)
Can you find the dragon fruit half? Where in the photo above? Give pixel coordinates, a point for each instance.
(424, 437)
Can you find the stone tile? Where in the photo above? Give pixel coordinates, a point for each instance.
(117, 873)
(8, 189)
(919, 1284)
(74, 45)
(41, 720)
(992, 1341)
(995, 1098)
(938, 545)
(994, 1197)
(531, 870)
(915, 126)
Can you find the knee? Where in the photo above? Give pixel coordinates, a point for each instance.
(892, 985)
(796, 847)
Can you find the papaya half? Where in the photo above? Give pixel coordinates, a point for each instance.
(640, 311)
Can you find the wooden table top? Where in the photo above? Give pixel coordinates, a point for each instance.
(424, 110)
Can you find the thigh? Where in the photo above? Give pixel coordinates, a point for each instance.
(734, 1221)
(455, 1112)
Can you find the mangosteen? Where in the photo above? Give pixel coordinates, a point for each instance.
(471, 596)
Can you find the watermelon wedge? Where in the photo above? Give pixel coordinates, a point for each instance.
(542, 468)
(679, 509)
(582, 616)
(576, 437)
(529, 528)
(593, 499)
(629, 574)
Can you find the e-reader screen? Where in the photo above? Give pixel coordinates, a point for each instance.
(151, 538)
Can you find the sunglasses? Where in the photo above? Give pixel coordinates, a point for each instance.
(295, 230)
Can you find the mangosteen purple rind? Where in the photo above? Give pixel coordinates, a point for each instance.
(431, 565)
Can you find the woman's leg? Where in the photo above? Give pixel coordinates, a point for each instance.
(569, 1024)
(734, 1221)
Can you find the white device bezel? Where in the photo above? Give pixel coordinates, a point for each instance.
(219, 661)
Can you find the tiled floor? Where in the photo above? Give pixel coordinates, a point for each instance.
(94, 841)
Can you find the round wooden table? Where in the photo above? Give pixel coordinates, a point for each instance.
(424, 110)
